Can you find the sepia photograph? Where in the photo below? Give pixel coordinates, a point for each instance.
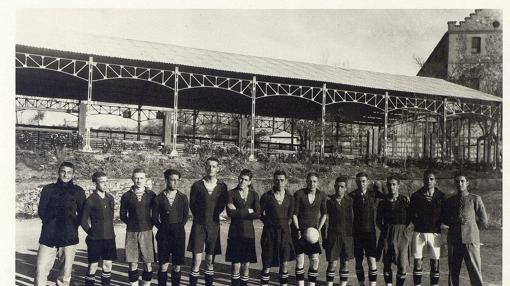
(258, 147)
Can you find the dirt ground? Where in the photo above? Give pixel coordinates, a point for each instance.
(27, 234)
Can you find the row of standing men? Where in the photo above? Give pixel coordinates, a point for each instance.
(347, 222)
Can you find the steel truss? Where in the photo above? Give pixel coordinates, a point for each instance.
(38, 103)
(176, 80)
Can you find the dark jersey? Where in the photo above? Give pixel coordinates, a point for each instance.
(426, 212)
(241, 225)
(137, 214)
(340, 216)
(100, 213)
(275, 215)
(364, 208)
(308, 214)
(205, 207)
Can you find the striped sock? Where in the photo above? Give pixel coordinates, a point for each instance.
(417, 276)
(401, 278)
(106, 278)
(193, 278)
(330, 277)
(89, 280)
(312, 276)
(264, 279)
(300, 276)
(372, 275)
(209, 277)
(360, 274)
(244, 280)
(434, 277)
(284, 276)
(344, 275)
(388, 276)
(234, 279)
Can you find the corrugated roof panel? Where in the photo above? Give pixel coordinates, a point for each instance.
(159, 52)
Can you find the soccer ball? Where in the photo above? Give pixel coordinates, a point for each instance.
(311, 235)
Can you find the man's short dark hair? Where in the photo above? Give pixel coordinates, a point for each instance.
(461, 174)
(98, 174)
(312, 174)
(138, 170)
(246, 172)
(66, 164)
(279, 173)
(428, 172)
(389, 178)
(361, 174)
(170, 172)
(213, 159)
(341, 179)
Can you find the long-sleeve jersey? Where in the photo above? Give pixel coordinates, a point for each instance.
(241, 224)
(426, 212)
(308, 214)
(164, 214)
(100, 213)
(205, 207)
(136, 214)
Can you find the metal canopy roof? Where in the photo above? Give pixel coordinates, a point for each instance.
(178, 55)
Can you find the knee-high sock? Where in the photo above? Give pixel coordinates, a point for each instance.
(133, 276)
(434, 277)
(401, 278)
(106, 278)
(90, 280)
(264, 279)
(388, 276)
(330, 277)
(300, 276)
(312, 276)
(244, 280)
(193, 278)
(372, 275)
(417, 276)
(162, 278)
(344, 276)
(360, 274)
(284, 276)
(176, 278)
(209, 277)
(234, 279)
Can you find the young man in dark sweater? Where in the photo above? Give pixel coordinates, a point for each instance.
(426, 205)
(60, 208)
(135, 212)
(337, 239)
(169, 214)
(462, 214)
(243, 207)
(97, 222)
(276, 210)
(393, 220)
(364, 203)
(208, 198)
(310, 211)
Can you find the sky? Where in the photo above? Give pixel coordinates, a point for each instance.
(377, 40)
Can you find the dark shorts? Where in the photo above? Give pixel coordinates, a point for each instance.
(241, 250)
(302, 246)
(171, 240)
(208, 235)
(276, 245)
(101, 249)
(365, 244)
(339, 247)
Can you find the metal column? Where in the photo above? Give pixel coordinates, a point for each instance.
(252, 133)
(87, 147)
(443, 147)
(385, 141)
(323, 118)
(174, 114)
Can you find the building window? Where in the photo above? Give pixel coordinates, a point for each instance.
(476, 45)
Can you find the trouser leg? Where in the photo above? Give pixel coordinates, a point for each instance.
(45, 259)
(66, 268)
(474, 264)
(455, 256)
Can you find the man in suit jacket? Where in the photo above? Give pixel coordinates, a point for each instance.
(461, 213)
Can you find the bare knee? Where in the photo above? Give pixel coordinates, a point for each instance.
(332, 266)
(107, 266)
(236, 267)
(209, 261)
(176, 268)
(164, 267)
(93, 268)
(133, 266)
(314, 261)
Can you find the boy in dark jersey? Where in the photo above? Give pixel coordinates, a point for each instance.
(135, 212)
(364, 203)
(393, 219)
(277, 208)
(426, 205)
(337, 239)
(309, 211)
(243, 207)
(169, 214)
(97, 222)
(208, 199)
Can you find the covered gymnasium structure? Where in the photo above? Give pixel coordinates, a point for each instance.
(389, 115)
